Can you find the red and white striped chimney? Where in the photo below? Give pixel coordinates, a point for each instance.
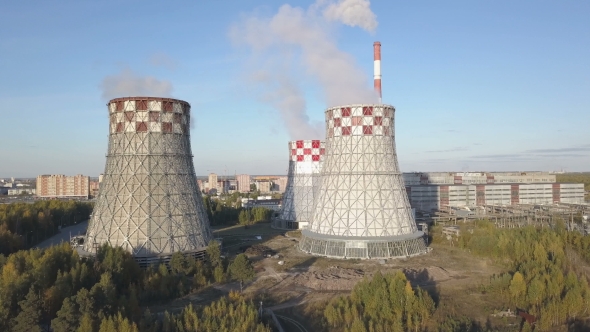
(377, 68)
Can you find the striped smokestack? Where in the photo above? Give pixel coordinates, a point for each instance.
(377, 68)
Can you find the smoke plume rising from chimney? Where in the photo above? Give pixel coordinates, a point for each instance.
(295, 44)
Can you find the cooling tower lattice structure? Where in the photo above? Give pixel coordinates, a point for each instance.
(305, 163)
(149, 202)
(361, 209)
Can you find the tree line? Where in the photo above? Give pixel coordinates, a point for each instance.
(575, 178)
(543, 278)
(381, 304)
(57, 288)
(23, 225)
(228, 212)
(254, 215)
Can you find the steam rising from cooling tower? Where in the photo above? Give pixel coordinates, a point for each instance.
(129, 83)
(296, 45)
(149, 203)
(362, 209)
(305, 163)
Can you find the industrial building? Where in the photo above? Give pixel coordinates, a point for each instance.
(361, 209)
(263, 201)
(61, 186)
(448, 178)
(305, 164)
(20, 191)
(435, 191)
(149, 203)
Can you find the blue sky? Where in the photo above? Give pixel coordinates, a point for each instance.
(478, 85)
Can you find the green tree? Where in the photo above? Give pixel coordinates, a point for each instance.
(214, 253)
(178, 263)
(517, 288)
(29, 318)
(219, 274)
(384, 301)
(86, 323)
(68, 316)
(241, 269)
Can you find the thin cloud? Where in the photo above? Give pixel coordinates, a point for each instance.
(459, 148)
(163, 60)
(580, 148)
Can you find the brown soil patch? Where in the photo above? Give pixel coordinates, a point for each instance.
(334, 279)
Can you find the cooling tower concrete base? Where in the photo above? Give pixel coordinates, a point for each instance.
(361, 247)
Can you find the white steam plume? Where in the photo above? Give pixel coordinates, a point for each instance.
(297, 42)
(355, 13)
(127, 83)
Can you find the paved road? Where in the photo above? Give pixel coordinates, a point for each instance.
(64, 235)
(293, 322)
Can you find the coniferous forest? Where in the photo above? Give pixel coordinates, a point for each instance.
(23, 225)
(545, 270)
(55, 287)
(544, 275)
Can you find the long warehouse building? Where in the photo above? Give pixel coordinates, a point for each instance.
(433, 191)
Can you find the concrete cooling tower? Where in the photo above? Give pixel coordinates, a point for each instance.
(149, 202)
(305, 163)
(362, 209)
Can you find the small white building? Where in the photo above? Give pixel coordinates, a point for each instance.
(18, 191)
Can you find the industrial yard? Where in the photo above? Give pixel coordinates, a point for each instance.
(302, 284)
(298, 286)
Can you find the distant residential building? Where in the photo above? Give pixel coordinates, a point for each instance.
(212, 181)
(94, 186)
(100, 176)
(222, 186)
(200, 184)
(233, 185)
(61, 186)
(280, 184)
(263, 186)
(243, 183)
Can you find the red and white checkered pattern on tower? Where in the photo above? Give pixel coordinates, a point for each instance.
(306, 150)
(305, 164)
(159, 115)
(359, 120)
